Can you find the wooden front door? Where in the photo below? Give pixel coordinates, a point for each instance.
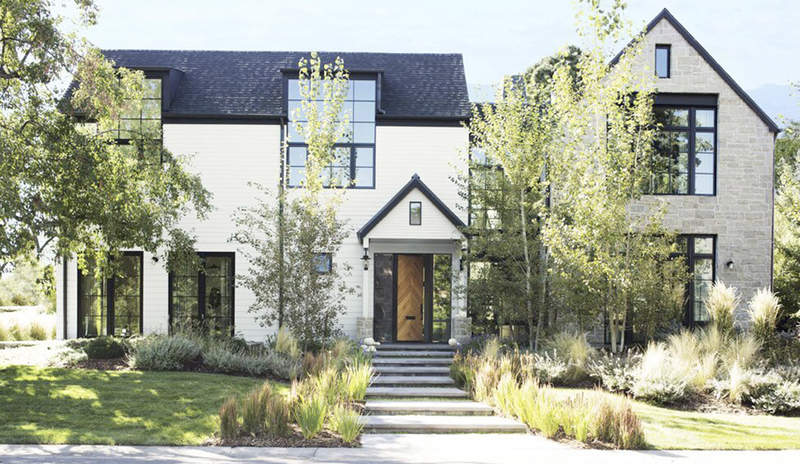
(410, 297)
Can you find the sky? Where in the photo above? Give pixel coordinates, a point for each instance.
(756, 41)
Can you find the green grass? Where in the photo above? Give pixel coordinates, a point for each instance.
(670, 429)
(107, 407)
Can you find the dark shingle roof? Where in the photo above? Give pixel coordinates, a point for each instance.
(243, 83)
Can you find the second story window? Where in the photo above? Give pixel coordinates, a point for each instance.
(663, 61)
(145, 118)
(486, 191)
(685, 151)
(354, 157)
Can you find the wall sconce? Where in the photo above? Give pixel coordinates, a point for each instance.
(365, 260)
(155, 259)
(729, 264)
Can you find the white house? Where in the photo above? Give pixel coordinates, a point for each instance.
(229, 110)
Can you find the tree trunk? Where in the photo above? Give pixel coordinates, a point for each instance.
(532, 342)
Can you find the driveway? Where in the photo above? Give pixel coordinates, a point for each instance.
(439, 449)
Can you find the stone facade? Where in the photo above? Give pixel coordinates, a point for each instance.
(364, 327)
(741, 212)
(461, 328)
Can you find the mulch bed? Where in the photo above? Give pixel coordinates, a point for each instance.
(325, 439)
(705, 403)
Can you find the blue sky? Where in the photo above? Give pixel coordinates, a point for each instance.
(756, 41)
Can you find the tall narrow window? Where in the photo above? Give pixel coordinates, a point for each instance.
(415, 213)
(442, 297)
(353, 165)
(699, 253)
(486, 191)
(685, 150)
(204, 298)
(142, 119)
(663, 61)
(111, 306)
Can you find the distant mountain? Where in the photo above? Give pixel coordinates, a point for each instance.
(778, 100)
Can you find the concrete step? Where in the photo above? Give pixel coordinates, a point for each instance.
(411, 370)
(413, 361)
(408, 381)
(415, 392)
(428, 408)
(442, 424)
(413, 354)
(415, 346)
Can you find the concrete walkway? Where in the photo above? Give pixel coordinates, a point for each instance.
(379, 448)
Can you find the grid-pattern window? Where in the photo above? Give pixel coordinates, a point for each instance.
(204, 298)
(685, 150)
(354, 158)
(144, 118)
(486, 191)
(699, 253)
(111, 306)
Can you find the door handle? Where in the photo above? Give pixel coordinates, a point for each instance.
(411, 318)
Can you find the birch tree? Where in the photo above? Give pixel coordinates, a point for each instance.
(599, 167)
(291, 238)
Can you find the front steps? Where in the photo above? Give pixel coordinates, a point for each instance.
(413, 393)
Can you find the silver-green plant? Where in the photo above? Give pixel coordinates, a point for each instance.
(720, 305)
(764, 309)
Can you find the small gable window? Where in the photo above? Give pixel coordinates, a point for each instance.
(415, 213)
(663, 61)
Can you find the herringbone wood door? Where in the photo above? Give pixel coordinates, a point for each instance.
(410, 295)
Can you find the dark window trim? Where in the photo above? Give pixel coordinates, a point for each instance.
(690, 256)
(353, 147)
(109, 284)
(410, 213)
(692, 131)
(328, 260)
(201, 282)
(668, 48)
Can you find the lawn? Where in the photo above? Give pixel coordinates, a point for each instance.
(40, 405)
(670, 429)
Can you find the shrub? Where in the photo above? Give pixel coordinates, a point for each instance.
(720, 305)
(491, 349)
(615, 373)
(543, 413)
(37, 331)
(658, 378)
(328, 385)
(782, 398)
(164, 353)
(104, 348)
(286, 343)
(764, 308)
(310, 413)
(613, 421)
(18, 332)
(253, 412)
(355, 380)
(276, 416)
(548, 368)
(505, 393)
(742, 350)
(575, 416)
(575, 350)
(346, 422)
(254, 362)
(462, 373)
(5, 333)
(228, 423)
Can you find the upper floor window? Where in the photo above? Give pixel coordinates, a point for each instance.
(415, 213)
(486, 191)
(143, 118)
(663, 59)
(685, 150)
(354, 157)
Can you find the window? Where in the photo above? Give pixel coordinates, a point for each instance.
(354, 160)
(685, 150)
(415, 213)
(486, 192)
(663, 61)
(203, 298)
(699, 253)
(323, 263)
(142, 119)
(111, 306)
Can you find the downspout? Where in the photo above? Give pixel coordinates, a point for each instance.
(64, 284)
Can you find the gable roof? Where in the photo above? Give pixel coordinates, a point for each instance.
(414, 183)
(250, 83)
(666, 15)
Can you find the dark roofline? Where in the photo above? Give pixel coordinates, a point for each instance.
(665, 14)
(414, 183)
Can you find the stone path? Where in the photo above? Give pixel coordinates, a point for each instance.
(413, 393)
